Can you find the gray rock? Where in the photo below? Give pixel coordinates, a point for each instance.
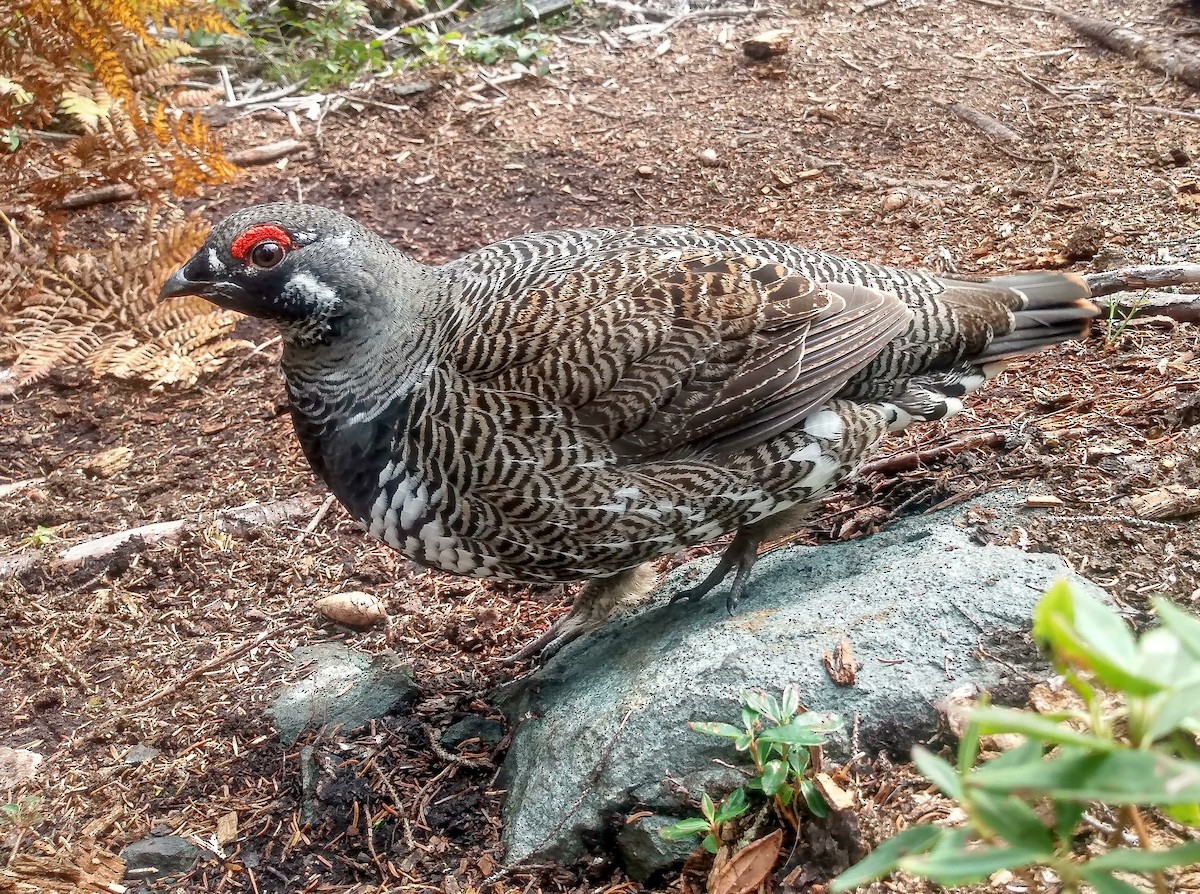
(488, 732)
(916, 601)
(645, 853)
(342, 688)
(140, 754)
(156, 857)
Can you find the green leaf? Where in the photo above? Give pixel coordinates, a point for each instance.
(773, 774)
(1163, 714)
(684, 829)
(812, 798)
(792, 735)
(798, 760)
(743, 742)
(1013, 820)
(789, 704)
(785, 795)
(1103, 883)
(733, 805)
(1183, 624)
(1188, 814)
(757, 700)
(710, 843)
(1066, 818)
(1080, 631)
(956, 866)
(1117, 777)
(938, 772)
(712, 728)
(994, 720)
(708, 808)
(749, 718)
(885, 858)
(1130, 860)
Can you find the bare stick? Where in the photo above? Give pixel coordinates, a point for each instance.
(1147, 52)
(1149, 276)
(436, 14)
(229, 521)
(119, 192)
(261, 155)
(909, 460)
(983, 122)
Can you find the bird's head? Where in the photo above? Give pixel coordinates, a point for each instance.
(309, 270)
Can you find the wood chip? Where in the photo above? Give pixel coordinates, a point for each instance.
(1043, 501)
(835, 796)
(1173, 501)
(840, 665)
(768, 44)
(227, 828)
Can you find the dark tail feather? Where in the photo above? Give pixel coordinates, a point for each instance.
(1057, 307)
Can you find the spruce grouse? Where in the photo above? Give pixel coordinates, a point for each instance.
(573, 405)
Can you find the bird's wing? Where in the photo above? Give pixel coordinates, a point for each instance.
(661, 350)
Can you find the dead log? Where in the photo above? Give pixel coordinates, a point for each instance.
(505, 15)
(1179, 307)
(229, 521)
(1149, 276)
(1147, 52)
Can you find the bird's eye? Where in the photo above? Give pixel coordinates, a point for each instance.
(266, 254)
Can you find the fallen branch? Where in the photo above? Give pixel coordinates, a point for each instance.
(912, 459)
(1149, 276)
(983, 122)
(13, 487)
(1146, 51)
(119, 192)
(230, 521)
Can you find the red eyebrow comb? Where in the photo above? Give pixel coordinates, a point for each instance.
(262, 233)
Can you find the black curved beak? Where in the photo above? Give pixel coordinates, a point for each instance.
(179, 285)
(196, 278)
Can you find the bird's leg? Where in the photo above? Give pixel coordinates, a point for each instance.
(742, 553)
(597, 602)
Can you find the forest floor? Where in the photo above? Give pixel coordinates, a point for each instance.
(844, 144)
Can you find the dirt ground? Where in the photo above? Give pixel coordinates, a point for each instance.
(845, 144)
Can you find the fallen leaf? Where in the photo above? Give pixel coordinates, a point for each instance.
(748, 868)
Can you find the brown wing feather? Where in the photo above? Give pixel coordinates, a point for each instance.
(658, 351)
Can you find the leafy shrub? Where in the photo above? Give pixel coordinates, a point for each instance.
(1130, 743)
(777, 736)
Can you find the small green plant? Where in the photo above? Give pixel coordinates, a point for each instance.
(778, 737)
(322, 44)
(23, 814)
(1117, 321)
(42, 535)
(1130, 744)
(712, 817)
(527, 51)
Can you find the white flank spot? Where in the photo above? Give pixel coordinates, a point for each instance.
(414, 506)
(627, 493)
(954, 406)
(825, 424)
(902, 417)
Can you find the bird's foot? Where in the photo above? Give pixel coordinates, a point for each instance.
(598, 602)
(741, 555)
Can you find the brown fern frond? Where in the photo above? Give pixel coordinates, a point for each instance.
(53, 349)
